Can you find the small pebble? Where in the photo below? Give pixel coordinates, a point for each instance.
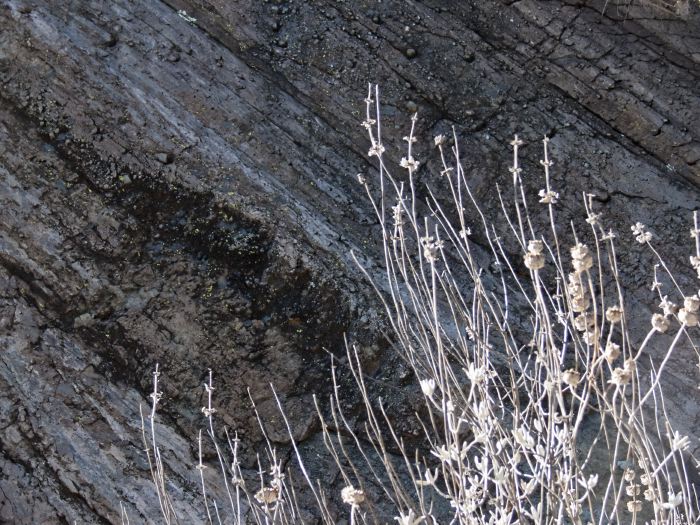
(165, 157)
(410, 53)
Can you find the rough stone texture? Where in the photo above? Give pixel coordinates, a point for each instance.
(184, 193)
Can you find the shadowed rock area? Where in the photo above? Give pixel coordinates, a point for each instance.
(178, 186)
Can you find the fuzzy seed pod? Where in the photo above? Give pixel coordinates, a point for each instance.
(614, 314)
(571, 377)
(692, 303)
(582, 265)
(534, 261)
(352, 496)
(580, 303)
(580, 251)
(687, 317)
(634, 506)
(583, 321)
(612, 352)
(660, 323)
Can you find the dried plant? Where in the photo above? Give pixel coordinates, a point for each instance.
(540, 405)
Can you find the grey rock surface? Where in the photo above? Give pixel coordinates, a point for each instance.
(182, 191)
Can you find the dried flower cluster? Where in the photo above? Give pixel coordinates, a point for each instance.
(688, 315)
(534, 258)
(431, 248)
(641, 235)
(352, 496)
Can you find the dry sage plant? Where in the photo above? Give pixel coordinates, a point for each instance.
(540, 405)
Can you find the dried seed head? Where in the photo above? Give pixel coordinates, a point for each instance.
(633, 489)
(267, 495)
(614, 314)
(575, 287)
(368, 123)
(571, 377)
(641, 235)
(431, 248)
(352, 496)
(579, 251)
(692, 303)
(590, 336)
(440, 139)
(593, 218)
(377, 150)
(688, 318)
(581, 258)
(548, 197)
(612, 352)
(582, 265)
(238, 482)
(584, 321)
(667, 306)
(649, 494)
(409, 163)
(609, 236)
(660, 323)
(534, 261)
(580, 303)
(620, 377)
(634, 506)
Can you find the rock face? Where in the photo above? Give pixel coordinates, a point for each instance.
(178, 186)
